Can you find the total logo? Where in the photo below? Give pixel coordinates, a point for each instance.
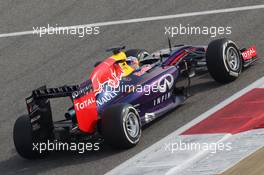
(84, 104)
(100, 101)
(249, 53)
(165, 83)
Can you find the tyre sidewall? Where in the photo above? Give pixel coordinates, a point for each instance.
(216, 58)
(231, 72)
(132, 140)
(114, 128)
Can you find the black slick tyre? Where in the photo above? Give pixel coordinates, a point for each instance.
(223, 60)
(121, 127)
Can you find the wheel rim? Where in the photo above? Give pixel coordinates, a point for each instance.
(233, 59)
(132, 125)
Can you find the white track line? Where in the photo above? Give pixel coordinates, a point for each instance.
(146, 19)
(203, 116)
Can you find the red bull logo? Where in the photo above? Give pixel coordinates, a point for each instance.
(107, 73)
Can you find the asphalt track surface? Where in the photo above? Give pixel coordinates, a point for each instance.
(27, 62)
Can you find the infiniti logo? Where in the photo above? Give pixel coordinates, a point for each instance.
(166, 81)
(75, 94)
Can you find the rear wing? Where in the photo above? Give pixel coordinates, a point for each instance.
(38, 105)
(42, 94)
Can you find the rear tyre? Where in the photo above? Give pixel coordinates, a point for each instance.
(224, 60)
(23, 137)
(121, 126)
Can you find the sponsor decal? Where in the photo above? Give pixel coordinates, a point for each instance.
(83, 89)
(149, 117)
(112, 81)
(84, 104)
(127, 79)
(161, 99)
(75, 94)
(108, 96)
(99, 101)
(86, 112)
(143, 70)
(249, 53)
(111, 77)
(165, 83)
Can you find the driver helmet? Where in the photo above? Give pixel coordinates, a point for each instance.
(133, 62)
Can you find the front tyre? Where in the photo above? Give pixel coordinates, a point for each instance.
(224, 61)
(121, 126)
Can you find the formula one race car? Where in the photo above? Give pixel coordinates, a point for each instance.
(118, 99)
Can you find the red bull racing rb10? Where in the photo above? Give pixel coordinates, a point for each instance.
(125, 92)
